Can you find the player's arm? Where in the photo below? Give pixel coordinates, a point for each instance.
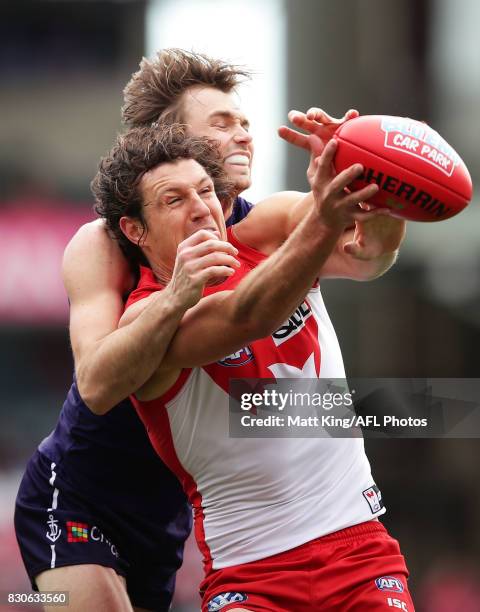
(227, 321)
(112, 363)
(364, 251)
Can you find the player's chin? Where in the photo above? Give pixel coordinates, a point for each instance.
(242, 182)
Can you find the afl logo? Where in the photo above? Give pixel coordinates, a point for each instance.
(389, 583)
(240, 358)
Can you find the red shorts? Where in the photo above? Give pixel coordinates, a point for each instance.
(359, 569)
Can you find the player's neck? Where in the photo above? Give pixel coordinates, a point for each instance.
(163, 273)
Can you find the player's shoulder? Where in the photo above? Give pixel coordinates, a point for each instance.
(275, 206)
(93, 255)
(281, 198)
(87, 236)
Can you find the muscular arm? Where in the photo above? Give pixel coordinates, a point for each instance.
(112, 363)
(227, 321)
(224, 322)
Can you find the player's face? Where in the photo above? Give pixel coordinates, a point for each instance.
(212, 113)
(178, 199)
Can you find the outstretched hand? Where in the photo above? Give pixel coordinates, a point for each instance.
(314, 121)
(337, 207)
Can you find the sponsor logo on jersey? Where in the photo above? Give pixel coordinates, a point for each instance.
(235, 360)
(374, 498)
(220, 601)
(294, 324)
(81, 532)
(97, 536)
(419, 140)
(389, 583)
(77, 532)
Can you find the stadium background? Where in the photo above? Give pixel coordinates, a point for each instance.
(63, 65)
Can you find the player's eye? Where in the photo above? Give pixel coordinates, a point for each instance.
(173, 201)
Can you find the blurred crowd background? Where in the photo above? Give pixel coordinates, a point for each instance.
(63, 66)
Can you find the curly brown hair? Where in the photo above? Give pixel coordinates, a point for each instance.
(154, 93)
(116, 184)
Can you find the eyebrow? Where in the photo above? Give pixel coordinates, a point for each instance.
(181, 186)
(226, 114)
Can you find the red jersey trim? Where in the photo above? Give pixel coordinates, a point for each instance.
(160, 434)
(171, 392)
(251, 255)
(147, 285)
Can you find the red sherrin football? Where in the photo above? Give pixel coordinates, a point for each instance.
(419, 174)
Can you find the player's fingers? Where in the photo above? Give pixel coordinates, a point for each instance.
(366, 206)
(213, 273)
(317, 148)
(345, 177)
(323, 163)
(323, 129)
(318, 114)
(196, 248)
(198, 237)
(351, 114)
(361, 195)
(362, 215)
(212, 259)
(300, 120)
(296, 117)
(294, 137)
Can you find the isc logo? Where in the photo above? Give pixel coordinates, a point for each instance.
(389, 583)
(397, 603)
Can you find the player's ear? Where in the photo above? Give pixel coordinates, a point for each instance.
(133, 229)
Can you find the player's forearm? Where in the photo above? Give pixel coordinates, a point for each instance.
(272, 291)
(124, 360)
